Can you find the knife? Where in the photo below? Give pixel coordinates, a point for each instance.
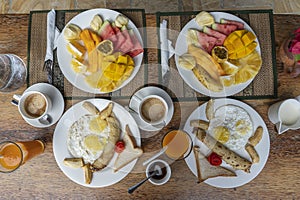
(48, 64)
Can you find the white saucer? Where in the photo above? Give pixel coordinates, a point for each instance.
(57, 99)
(133, 104)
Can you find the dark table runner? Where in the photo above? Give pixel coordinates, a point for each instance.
(264, 84)
(37, 49)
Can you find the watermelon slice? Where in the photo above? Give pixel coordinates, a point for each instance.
(239, 25)
(206, 42)
(106, 32)
(127, 45)
(220, 36)
(137, 48)
(224, 28)
(120, 37)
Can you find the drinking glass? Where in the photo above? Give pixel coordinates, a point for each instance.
(12, 72)
(14, 154)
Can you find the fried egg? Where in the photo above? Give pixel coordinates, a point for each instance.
(232, 126)
(87, 137)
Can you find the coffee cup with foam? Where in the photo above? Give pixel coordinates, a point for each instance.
(153, 110)
(33, 105)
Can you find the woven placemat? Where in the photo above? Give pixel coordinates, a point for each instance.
(37, 48)
(261, 21)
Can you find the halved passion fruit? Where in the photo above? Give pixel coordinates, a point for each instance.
(105, 47)
(220, 54)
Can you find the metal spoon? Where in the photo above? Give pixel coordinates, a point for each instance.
(46, 119)
(156, 172)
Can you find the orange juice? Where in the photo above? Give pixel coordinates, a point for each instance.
(12, 155)
(178, 143)
(31, 149)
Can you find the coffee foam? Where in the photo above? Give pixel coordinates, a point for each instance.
(153, 110)
(35, 105)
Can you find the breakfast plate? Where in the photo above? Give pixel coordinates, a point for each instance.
(188, 76)
(56, 97)
(106, 176)
(150, 90)
(262, 147)
(64, 57)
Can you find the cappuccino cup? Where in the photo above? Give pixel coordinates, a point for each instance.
(153, 109)
(33, 105)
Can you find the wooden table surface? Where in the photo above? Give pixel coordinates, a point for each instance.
(41, 177)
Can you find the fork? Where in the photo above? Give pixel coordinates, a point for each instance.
(48, 68)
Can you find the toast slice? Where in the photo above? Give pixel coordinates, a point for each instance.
(209, 171)
(130, 152)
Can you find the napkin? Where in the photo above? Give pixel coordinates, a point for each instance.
(167, 51)
(50, 35)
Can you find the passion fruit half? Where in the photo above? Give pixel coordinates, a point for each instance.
(220, 54)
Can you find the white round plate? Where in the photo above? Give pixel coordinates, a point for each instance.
(146, 91)
(106, 176)
(64, 57)
(188, 76)
(262, 147)
(57, 99)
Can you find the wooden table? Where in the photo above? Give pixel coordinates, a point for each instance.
(41, 177)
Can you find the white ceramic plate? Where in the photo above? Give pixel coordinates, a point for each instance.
(64, 57)
(262, 147)
(57, 99)
(188, 76)
(106, 176)
(146, 91)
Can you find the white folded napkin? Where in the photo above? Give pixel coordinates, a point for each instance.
(50, 35)
(167, 51)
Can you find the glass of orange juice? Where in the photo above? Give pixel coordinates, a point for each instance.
(178, 144)
(14, 154)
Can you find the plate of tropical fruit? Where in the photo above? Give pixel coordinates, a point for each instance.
(217, 54)
(100, 51)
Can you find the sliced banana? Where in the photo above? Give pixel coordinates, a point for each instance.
(73, 162)
(204, 19)
(187, 61)
(72, 32)
(121, 20)
(96, 23)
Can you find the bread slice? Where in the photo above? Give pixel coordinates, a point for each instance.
(209, 171)
(130, 152)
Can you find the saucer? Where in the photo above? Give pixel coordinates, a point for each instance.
(57, 99)
(134, 105)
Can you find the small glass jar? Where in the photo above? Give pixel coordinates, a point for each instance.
(13, 72)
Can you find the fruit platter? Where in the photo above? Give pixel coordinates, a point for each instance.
(217, 54)
(100, 51)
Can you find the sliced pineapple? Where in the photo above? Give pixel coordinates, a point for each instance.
(76, 49)
(78, 66)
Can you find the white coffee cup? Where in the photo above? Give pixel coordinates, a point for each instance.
(285, 115)
(153, 109)
(33, 105)
(165, 170)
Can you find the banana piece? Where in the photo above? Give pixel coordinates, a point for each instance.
(121, 20)
(96, 23)
(88, 174)
(187, 61)
(73, 162)
(72, 32)
(206, 61)
(204, 19)
(192, 38)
